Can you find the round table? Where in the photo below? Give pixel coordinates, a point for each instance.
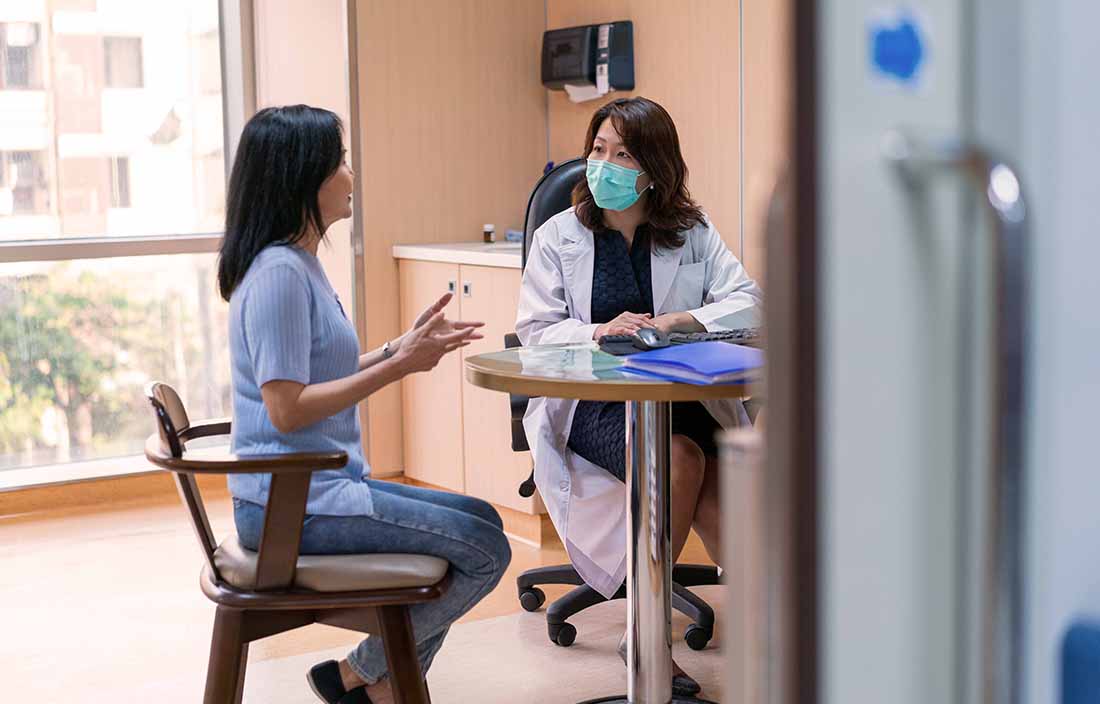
(581, 371)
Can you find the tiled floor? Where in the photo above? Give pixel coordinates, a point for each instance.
(104, 606)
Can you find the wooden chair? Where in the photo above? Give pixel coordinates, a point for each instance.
(276, 590)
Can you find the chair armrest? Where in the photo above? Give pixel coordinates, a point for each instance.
(216, 461)
(206, 429)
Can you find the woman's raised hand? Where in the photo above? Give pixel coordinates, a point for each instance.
(624, 324)
(431, 338)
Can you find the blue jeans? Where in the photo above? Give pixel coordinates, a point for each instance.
(460, 529)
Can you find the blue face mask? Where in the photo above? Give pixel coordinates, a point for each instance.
(613, 187)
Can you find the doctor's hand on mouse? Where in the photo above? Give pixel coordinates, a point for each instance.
(432, 336)
(629, 323)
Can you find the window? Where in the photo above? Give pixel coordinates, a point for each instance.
(80, 339)
(122, 62)
(23, 186)
(19, 56)
(106, 283)
(90, 140)
(120, 182)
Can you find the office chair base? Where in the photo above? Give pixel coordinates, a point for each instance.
(621, 699)
(532, 599)
(697, 636)
(562, 634)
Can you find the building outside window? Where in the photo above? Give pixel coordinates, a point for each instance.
(122, 62)
(120, 181)
(111, 207)
(19, 48)
(24, 189)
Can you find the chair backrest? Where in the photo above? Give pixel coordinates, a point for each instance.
(172, 420)
(172, 423)
(551, 195)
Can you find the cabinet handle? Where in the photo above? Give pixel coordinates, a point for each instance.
(467, 289)
(451, 285)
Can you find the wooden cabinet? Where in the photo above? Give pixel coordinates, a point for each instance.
(432, 432)
(456, 435)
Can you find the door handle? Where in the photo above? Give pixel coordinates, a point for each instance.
(916, 162)
(467, 289)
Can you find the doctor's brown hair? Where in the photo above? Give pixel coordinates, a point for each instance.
(649, 134)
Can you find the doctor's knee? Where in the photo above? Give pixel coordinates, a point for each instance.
(687, 460)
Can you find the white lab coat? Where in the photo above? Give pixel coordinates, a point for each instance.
(586, 503)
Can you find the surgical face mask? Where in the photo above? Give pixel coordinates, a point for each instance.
(613, 187)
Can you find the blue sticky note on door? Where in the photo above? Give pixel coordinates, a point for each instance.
(897, 47)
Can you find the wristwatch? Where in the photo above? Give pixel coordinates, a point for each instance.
(388, 350)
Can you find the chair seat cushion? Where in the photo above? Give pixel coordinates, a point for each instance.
(335, 573)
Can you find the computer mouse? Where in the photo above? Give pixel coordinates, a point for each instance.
(649, 339)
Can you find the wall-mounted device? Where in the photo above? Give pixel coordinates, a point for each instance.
(588, 62)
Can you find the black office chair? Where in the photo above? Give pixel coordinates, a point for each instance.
(552, 195)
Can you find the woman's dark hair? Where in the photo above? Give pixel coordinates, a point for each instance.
(284, 156)
(650, 136)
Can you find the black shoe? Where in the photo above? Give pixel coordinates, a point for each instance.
(683, 684)
(325, 681)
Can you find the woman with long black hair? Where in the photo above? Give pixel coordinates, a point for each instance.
(298, 374)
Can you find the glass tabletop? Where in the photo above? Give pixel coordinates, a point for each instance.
(583, 371)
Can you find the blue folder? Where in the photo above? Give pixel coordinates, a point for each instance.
(699, 363)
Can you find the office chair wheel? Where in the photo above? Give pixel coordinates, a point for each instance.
(532, 599)
(697, 637)
(562, 634)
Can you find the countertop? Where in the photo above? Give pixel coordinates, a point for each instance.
(500, 254)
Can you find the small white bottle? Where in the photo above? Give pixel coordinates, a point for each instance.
(488, 233)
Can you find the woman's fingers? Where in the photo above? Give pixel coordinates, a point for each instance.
(639, 319)
(434, 321)
(442, 302)
(457, 335)
(467, 323)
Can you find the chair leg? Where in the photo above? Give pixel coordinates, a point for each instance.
(228, 658)
(554, 574)
(695, 575)
(692, 605)
(406, 678)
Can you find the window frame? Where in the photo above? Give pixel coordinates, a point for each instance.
(236, 49)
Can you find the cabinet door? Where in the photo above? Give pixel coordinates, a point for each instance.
(431, 401)
(493, 471)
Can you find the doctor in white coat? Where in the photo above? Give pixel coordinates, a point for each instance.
(633, 219)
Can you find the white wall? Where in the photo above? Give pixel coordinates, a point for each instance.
(1060, 112)
(301, 57)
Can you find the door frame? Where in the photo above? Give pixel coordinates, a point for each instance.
(792, 473)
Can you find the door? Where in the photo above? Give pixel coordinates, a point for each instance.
(904, 488)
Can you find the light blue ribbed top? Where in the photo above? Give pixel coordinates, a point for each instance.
(286, 322)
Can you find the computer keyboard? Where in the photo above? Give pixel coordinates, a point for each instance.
(753, 337)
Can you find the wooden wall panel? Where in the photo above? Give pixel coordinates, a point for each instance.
(686, 59)
(453, 121)
(767, 118)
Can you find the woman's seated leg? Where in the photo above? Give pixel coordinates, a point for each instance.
(707, 520)
(459, 502)
(686, 470)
